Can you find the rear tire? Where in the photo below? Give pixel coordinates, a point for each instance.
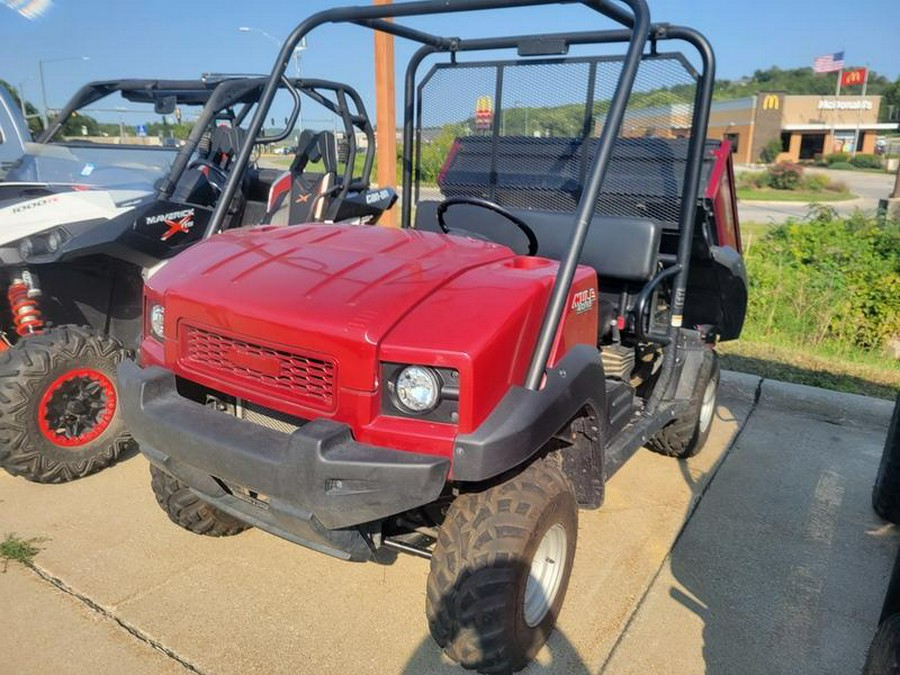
(501, 567)
(886, 491)
(59, 413)
(685, 436)
(187, 510)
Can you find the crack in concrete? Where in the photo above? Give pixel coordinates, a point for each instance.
(135, 632)
(695, 502)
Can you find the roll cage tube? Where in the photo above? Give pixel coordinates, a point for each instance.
(639, 20)
(239, 90)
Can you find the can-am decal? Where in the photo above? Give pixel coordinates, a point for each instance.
(583, 301)
(177, 221)
(380, 195)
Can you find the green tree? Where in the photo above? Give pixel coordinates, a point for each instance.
(35, 124)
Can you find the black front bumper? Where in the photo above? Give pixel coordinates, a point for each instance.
(318, 486)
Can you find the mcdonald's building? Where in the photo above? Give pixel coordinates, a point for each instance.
(805, 126)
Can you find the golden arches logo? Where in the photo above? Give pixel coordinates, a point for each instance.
(853, 77)
(771, 102)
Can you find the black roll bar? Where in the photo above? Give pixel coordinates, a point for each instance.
(374, 16)
(588, 201)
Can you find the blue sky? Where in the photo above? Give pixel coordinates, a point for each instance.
(168, 38)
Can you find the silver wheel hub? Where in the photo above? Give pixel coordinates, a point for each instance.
(546, 575)
(709, 406)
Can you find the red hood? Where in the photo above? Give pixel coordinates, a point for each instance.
(328, 290)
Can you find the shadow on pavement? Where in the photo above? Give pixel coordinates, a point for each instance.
(783, 560)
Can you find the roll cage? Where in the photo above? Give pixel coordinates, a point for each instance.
(220, 93)
(635, 30)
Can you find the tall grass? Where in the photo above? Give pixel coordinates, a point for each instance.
(826, 282)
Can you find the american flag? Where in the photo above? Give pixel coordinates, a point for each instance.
(829, 63)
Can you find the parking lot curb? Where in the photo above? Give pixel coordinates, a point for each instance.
(829, 406)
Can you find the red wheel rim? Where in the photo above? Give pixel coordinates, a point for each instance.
(77, 407)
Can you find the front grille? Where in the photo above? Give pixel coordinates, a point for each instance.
(311, 380)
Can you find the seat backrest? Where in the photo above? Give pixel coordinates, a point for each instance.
(617, 247)
(307, 199)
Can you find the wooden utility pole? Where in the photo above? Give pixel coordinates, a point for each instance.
(385, 114)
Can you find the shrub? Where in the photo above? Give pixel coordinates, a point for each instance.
(845, 166)
(770, 151)
(753, 179)
(785, 176)
(836, 157)
(837, 186)
(866, 162)
(816, 182)
(826, 280)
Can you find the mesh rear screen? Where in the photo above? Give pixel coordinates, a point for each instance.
(523, 134)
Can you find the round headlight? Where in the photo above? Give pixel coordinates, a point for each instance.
(54, 241)
(26, 248)
(417, 389)
(157, 320)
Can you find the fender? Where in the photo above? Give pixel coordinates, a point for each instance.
(525, 419)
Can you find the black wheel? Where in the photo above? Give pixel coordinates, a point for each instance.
(186, 509)
(59, 412)
(886, 491)
(884, 652)
(685, 436)
(501, 567)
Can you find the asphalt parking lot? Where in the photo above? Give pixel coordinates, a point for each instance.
(762, 555)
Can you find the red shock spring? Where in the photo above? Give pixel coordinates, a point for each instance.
(25, 312)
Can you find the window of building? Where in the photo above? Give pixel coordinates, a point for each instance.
(786, 141)
(811, 145)
(734, 138)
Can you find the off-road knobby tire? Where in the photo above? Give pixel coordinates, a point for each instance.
(186, 509)
(481, 563)
(884, 651)
(683, 437)
(26, 371)
(886, 491)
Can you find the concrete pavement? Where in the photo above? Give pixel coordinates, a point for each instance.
(781, 544)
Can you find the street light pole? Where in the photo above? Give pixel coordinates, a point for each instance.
(22, 97)
(45, 116)
(278, 43)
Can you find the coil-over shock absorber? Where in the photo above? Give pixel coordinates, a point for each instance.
(23, 295)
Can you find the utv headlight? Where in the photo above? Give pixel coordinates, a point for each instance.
(43, 244)
(417, 389)
(157, 321)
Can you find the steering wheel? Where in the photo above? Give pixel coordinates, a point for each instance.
(221, 175)
(490, 206)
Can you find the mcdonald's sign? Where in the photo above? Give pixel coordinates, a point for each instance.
(771, 102)
(855, 76)
(484, 113)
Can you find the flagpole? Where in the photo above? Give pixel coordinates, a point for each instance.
(837, 93)
(859, 112)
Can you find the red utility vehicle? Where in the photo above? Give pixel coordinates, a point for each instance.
(460, 387)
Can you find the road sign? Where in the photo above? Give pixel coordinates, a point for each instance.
(141, 130)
